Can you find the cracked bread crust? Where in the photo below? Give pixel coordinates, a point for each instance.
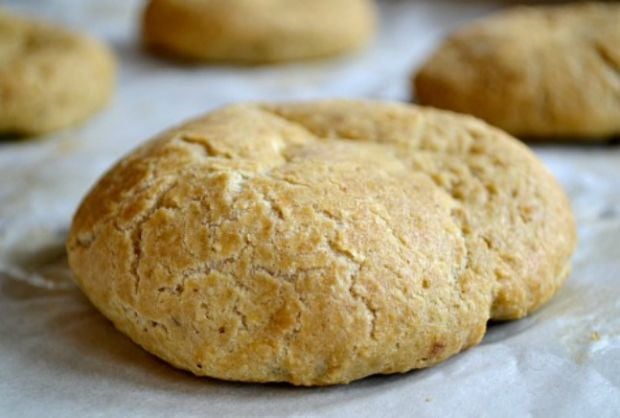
(49, 78)
(537, 72)
(250, 31)
(320, 243)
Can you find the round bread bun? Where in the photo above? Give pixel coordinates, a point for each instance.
(49, 78)
(251, 31)
(537, 72)
(319, 243)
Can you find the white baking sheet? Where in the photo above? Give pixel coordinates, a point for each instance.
(60, 357)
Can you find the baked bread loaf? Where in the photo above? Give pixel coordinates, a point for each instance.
(319, 243)
(536, 72)
(49, 78)
(250, 31)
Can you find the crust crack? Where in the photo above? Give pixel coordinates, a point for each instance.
(137, 230)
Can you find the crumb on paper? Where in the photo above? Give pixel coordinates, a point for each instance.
(67, 145)
(595, 336)
(427, 399)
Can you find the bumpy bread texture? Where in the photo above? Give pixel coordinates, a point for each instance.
(49, 78)
(257, 31)
(320, 243)
(538, 72)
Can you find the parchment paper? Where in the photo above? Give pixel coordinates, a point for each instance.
(60, 357)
